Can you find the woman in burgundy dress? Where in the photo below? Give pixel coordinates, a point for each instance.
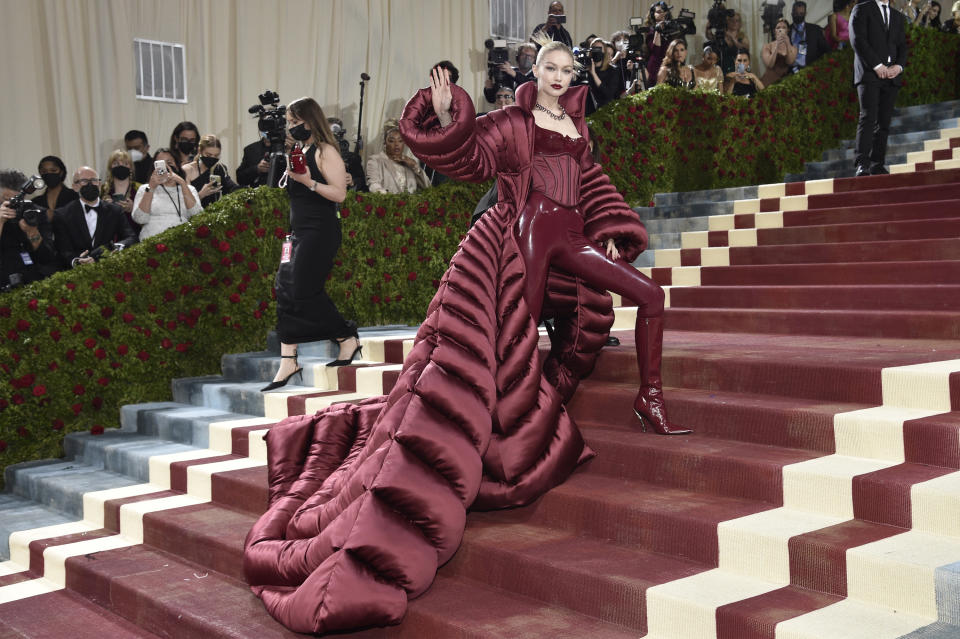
(367, 500)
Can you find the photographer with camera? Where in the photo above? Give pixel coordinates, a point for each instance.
(779, 55)
(553, 28)
(808, 38)
(604, 79)
(356, 180)
(264, 161)
(27, 252)
(167, 200)
(87, 227)
(503, 75)
(656, 38)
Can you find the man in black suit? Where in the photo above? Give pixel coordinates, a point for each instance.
(89, 223)
(808, 38)
(879, 43)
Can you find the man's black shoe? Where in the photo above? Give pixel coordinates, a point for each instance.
(612, 341)
(879, 170)
(861, 171)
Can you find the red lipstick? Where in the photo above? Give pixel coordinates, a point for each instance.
(557, 86)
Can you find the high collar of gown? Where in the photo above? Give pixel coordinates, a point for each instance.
(572, 101)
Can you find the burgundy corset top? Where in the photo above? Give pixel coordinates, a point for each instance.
(556, 165)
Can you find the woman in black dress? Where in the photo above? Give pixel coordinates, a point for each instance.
(305, 313)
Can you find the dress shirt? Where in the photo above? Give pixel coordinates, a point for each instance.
(91, 215)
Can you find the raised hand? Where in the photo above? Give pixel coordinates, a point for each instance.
(441, 95)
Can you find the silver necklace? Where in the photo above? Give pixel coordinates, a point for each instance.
(563, 112)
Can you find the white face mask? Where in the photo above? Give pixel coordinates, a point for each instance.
(135, 154)
(622, 45)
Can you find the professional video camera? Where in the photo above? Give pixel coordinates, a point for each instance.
(273, 122)
(770, 13)
(340, 133)
(27, 210)
(679, 27)
(497, 54)
(272, 116)
(717, 19)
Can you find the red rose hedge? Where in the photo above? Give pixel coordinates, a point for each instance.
(77, 346)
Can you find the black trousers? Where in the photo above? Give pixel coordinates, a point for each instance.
(876, 110)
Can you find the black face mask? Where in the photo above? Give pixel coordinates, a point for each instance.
(597, 56)
(187, 147)
(90, 192)
(120, 172)
(300, 133)
(209, 162)
(52, 179)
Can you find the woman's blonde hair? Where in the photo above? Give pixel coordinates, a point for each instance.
(206, 142)
(548, 44)
(119, 154)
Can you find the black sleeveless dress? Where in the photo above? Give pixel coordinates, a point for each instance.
(305, 313)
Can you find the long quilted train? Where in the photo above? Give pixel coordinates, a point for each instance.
(367, 500)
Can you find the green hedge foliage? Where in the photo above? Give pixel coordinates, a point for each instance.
(77, 346)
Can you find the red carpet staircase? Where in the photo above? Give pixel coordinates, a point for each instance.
(812, 344)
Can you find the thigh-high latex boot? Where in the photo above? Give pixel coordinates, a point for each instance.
(649, 404)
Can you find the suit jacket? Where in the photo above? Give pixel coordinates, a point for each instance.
(817, 44)
(247, 174)
(73, 238)
(874, 44)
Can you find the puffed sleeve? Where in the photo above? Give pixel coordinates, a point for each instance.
(140, 217)
(465, 149)
(606, 214)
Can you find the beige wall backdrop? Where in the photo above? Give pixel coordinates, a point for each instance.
(67, 79)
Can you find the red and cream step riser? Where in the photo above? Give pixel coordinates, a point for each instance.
(890, 584)
(866, 441)
(940, 153)
(241, 440)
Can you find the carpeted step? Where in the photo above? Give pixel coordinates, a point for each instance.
(174, 597)
(65, 614)
(705, 465)
(918, 297)
(813, 367)
(938, 249)
(587, 575)
(788, 422)
(862, 323)
(902, 272)
(861, 232)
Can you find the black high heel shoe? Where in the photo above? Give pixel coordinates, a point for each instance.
(283, 382)
(357, 351)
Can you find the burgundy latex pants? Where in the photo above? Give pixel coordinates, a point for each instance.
(550, 234)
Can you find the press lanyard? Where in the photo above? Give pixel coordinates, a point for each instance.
(176, 203)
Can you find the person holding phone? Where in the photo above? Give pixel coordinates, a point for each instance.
(742, 81)
(779, 55)
(120, 187)
(305, 312)
(207, 174)
(167, 200)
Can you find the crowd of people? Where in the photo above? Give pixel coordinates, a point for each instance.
(141, 192)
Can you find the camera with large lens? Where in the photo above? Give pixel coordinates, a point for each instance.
(497, 54)
(272, 117)
(25, 209)
(340, 133)
(717, 19)
(273, 122)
